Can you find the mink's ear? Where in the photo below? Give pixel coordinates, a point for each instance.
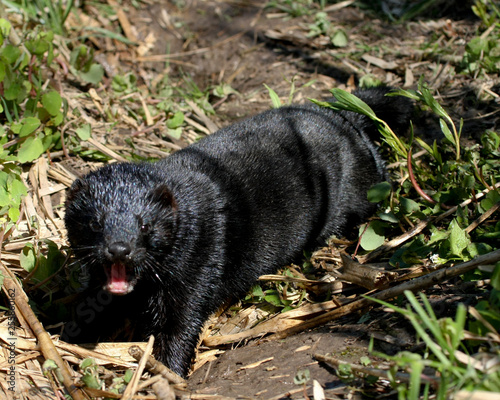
(162, 194)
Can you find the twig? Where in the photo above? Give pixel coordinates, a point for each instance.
(413, 285)
(482, 218)
(44, 342)
(365, 275)
(105, 150)
(132, 386)
(154, 366)
(418, 228)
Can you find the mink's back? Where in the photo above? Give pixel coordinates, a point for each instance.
(285, 180)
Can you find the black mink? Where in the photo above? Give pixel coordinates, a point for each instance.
(171, 241)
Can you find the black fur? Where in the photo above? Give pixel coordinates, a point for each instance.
(199, 227)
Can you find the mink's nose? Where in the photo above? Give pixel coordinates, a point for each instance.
(119, 250)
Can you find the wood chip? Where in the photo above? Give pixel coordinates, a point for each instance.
(378, 62)
(255, 364)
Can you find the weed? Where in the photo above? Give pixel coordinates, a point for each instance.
(455, 174)
(444, 368)
(51, 14)
(293, 8)
(31, 114)
(487, 11)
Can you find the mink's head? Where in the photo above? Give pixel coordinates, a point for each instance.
(120, 221)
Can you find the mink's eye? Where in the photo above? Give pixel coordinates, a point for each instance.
(95, 225)
(145, 228)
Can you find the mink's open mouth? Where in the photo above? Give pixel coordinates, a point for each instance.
(119, 283)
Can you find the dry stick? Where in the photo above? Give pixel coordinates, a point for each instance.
(44, 342)
(132, 386)
(414, 285)
(102, 148)
(155, 367)
(417, 229)
(163, 390)
(19, 316)
(482, 218)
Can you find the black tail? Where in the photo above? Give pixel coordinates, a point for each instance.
(395, 110)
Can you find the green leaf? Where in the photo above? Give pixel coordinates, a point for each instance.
(458, 239)
(302, 377)
(175, 133)
(4, 197)
(84, 132)
(379, 192)
(2, 71)
(30, 150)
(29, 126)
(93, 75)
(223, 90)
(273, 297)
(17, 190)
(409, 206)
(52, 102)
(88, 363)
(257, 291)
(275, 100)
(491, 198)
(339, 38)
(27, 258)
(128, 375)
(446, 131)
(10, 53)
(38, 46)
(14, 213)
(389, 217)
(349, 102)
(13, 91)
(477, 47)
(373, 236)
(91, 381)
(5, 27)
(495, 278)
(438, 235)
(57, 119)
(176, 120)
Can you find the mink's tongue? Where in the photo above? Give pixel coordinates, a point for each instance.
(117, 280)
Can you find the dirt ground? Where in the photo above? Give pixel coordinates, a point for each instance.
(247, 46)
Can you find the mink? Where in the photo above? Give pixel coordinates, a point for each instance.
(167, 243)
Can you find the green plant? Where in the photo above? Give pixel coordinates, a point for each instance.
(322, 26)
(349, 102)
(281, 296)
(482, 54)
(53, 14)
(489, 310)
(31, 113)
(487, 11)
(424, 95)
(294, 8)
(440, 180)
(83, 66)
(275, 99)
(448, 173)
(444, 367)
